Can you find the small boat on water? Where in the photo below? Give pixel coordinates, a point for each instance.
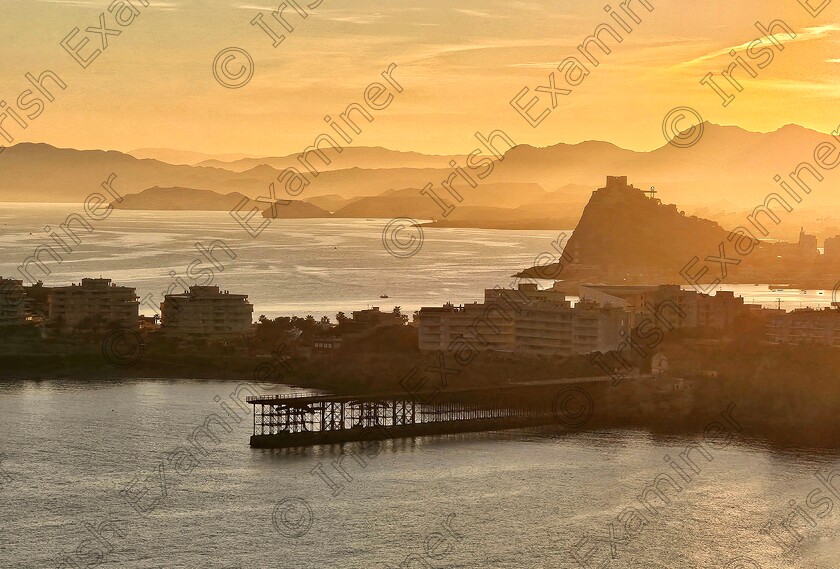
(383, 296)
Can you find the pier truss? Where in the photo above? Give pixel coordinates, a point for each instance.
(303, 419)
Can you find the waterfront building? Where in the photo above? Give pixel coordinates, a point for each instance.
(206, 311)
(548, 327)
(93, 303)
(523, 320)
(806, 326)
(12, 305)
(432, 326)
(486, 326)
(692, 309)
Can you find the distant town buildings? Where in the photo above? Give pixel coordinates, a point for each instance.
(805, 249)
(808, 245)
(524, 320)
(806, 326)
(93, 303)
(832, 248)
(691, 309)
(12, 312)
(528, 320)
(206, 311)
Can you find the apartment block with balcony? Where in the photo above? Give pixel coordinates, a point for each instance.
(486, 326)
(432, 330)
(93, 303)
(206, 311)
(545, 327)
(598, 328)
(524, 320)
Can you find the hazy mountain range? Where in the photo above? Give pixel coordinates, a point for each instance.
(730, 167)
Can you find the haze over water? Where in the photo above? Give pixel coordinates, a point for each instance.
(297, 267)
(307, 266)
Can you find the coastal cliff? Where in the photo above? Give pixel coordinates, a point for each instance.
(623, 226)
(627, 236)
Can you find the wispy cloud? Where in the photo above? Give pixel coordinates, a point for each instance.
(808, 34)
(480, 14)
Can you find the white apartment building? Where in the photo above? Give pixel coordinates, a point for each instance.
(525, 320)
(206, 311)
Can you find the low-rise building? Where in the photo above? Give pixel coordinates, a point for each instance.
(327, 342)
(364, 320)
(806, 326)
(94, 303)
(373, 317)
(206, 311)
(12, 302)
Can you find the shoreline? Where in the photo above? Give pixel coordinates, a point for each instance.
(672, 420)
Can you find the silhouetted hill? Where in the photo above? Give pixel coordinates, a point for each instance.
(624, 233)
(43, 173)
(626, 237)
(184, 199)
(411, 203)
(294, 209)
(623, 226)
(189, 199)
(330, 202)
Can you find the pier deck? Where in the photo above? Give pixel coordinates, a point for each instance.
(304, 419)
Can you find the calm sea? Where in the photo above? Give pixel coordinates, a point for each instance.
(510, 499)
(297, 267)
(76, 456)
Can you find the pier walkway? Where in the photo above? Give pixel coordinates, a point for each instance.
(304, 419)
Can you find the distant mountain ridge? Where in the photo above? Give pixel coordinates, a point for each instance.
(190, 199)
(364, 157)
(183, 199)
(183, 157)
(728, 164)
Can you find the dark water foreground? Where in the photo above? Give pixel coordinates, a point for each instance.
(110, 475)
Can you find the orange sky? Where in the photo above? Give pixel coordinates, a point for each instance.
(460, 62)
